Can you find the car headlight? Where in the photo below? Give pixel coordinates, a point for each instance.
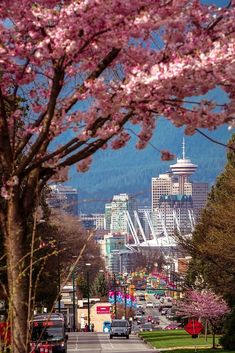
(61, 343)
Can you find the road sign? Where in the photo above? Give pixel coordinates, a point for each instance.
(103, 309)
(193, 327)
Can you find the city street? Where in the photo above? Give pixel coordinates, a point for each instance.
(91, 342)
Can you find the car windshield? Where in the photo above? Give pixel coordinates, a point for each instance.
(147, 325)
(47, 333)
(120, 324)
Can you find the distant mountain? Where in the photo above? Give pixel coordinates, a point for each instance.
(130, 170)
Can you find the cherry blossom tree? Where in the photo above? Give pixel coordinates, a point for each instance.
(74, 73)
(203, 305)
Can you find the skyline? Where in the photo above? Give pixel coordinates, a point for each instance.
(130, 171)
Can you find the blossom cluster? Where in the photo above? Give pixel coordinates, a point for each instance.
(203, 304)
(91, 66)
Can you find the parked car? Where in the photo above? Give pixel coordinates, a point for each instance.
(146, 327)
(156, 320)
(120, 328)
(164, 311)
(139, 306)
(149, 305)
(140, 321)
(170, 315)
(173, 326)
(138, 315)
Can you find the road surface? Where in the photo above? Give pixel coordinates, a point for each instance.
(92, 342)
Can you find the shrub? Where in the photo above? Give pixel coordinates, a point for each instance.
(228, 339)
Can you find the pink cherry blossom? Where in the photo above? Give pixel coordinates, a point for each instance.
(126, 61)
(84, 165)
(167, 156)
(75, 77)
(5, 193)
(203, 304)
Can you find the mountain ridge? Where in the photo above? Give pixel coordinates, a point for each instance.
(130, 171)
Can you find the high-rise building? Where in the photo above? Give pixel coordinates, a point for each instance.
(177, 201)
(117, 257)
(199, 196)
(108, 212)
(115, 213)
(167, 184)
(174, 213)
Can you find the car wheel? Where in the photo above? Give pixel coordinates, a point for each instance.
(127, 337)
(110, 336)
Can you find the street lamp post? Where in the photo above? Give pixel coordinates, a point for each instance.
(74, 306)
(59, 284)
(88, 298)
(125, 300)
(115, 296)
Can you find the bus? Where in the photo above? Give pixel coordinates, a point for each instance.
(49, 330)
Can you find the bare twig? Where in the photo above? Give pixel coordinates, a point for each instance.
(215, 141)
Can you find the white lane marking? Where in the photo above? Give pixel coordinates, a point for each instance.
(77, 342)
(112, 346)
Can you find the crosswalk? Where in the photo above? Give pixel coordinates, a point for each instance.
(92, 342)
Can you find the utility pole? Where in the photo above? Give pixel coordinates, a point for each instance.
(125, 300)
(88, 301)
(59, 284)
(74, 307)
(115, 296)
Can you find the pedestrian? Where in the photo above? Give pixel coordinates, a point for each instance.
(92, 327)
(68, 327)
(86, 328)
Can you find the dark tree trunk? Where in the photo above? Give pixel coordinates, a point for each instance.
(17, 278)
(213, 328)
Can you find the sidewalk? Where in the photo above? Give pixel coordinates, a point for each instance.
(184, 347)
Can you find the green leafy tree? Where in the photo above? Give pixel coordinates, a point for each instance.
(228, 339)
(100, 287)
(212, 246)
(82, 287)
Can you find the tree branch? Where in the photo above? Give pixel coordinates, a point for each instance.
(41, 139)
(215, 141)
(110, 57)
(5, 145)
(43, 136)
(87, 151)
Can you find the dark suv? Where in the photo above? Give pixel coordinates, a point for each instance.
(120, 328)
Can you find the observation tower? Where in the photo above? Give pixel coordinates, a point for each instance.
(183, 169)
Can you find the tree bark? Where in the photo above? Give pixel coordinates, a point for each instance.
(206, 330)
(213, 338)
(17, 279)
(213, 335)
